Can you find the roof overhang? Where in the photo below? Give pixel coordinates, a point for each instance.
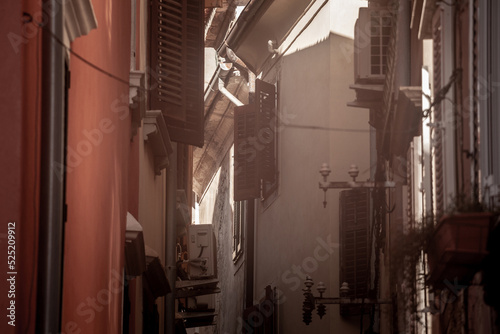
(219, 111)
(260, 22)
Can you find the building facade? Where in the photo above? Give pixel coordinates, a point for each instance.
(99, 188)
(431, 109)
(290, 116)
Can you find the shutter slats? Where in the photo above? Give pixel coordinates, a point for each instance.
(177, 57)
(246, 176)
(254, 142)
(175, 18)
(437, 113)
(174, 3)
(354, 251)
(171, 33)
(175, 6)
(172, 61)
(266, 98)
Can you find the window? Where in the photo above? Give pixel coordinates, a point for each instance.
(238, 225)
(380, 31)
(371, 42)
(177, 67)
(255, 144)
(354, 245)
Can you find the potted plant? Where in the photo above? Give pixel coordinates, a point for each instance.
(408, 263)
(458, 243)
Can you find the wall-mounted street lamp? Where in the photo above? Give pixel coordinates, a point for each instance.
(353, 173)
(310, 301)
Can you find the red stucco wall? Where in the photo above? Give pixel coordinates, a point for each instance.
(10, 144)
(19, 151)
(98, 144)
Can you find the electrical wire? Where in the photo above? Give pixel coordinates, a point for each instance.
(305, 127)
(201, 251)
(74, 53)
(26, 19)
(94, 66)
(315, 127)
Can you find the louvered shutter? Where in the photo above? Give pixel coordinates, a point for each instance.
(246, 155)
(177, 67)
(437, 42)
(261, 318)
(354, 249)
(254, 143)
(266, 100)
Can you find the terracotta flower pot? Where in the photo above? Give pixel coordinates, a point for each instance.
(457, 247)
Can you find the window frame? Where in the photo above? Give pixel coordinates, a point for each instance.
(239, 219)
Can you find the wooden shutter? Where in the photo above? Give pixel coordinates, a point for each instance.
(254, 143)
(177, 67)
(261, 318)
(246, 154)
(354, 249)
(266, 99)
(437, 134)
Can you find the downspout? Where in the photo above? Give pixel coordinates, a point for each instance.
(133, 17)
(228, 94)
(250, 253)
(234, 59)
(50, 244)
(170, 240)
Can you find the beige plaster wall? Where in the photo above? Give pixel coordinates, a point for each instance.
(152, 202)
(295, 235)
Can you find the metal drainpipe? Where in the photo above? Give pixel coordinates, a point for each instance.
(133, 20)
(250, 253)
(251, 223)
(170, 241)
(50, 249)
(228, 94)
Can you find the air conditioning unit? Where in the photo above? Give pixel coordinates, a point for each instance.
(371, 40)
(202, 252)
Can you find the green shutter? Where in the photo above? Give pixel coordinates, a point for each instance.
(177, 67)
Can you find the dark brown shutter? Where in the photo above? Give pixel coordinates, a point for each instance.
(354, 249)
(177, 67)
(261, 318)
(437, 134)
(254, 143)
(246, 154)
(266, 100)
